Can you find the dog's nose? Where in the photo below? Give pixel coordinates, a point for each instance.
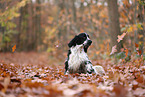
(89, 42)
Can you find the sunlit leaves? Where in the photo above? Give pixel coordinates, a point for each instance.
(142, 2)
(139, 26)
(11, 13)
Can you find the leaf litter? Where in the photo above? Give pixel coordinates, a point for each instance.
(121, 80)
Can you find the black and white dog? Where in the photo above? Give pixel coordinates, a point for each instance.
(78, 61)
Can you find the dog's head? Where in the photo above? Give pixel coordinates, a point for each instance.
(81, 39)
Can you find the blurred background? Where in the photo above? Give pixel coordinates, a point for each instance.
(48, 25)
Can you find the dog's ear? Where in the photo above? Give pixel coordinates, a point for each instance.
(86, 48)
(73, 42)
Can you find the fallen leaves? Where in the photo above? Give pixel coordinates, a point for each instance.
(6, 83)
(139, 92)
(120, 80)
(120, 91)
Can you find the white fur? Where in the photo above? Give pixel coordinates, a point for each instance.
(85, 42)
(77, 56)
(89, 67)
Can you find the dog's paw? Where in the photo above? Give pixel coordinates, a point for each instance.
(66, 72)
(99, 70)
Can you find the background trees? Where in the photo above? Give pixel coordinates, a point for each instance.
(48, 25)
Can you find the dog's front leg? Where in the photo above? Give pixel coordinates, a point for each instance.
(89, 67)
(66, 67)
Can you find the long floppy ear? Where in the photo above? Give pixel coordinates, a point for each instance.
(86, 48)
(73, 42)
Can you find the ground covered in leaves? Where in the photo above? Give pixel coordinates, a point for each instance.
(35, 75)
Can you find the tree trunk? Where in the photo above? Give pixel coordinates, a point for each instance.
(19, 30)
(114, 25)
(67, 13)
(38, 23)
(135, 22)
(144, 29)
(74, 11)
(141, 31)
(2, 29)
(74, 17)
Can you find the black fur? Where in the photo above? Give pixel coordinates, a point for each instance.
(66, 62)
(79, 40)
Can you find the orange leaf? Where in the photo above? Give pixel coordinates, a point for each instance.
(14, 48)
(126, 52)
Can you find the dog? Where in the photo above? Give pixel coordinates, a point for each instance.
(77, 59)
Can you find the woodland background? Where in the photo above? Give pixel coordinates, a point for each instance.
(48, 25)
(33, 47)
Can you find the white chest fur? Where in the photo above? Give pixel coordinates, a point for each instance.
(77, 56)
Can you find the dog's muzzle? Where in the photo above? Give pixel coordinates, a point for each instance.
(89, 42)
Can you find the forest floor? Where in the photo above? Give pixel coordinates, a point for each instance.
(41, 75)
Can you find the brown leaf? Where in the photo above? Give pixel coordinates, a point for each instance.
(1, 86)
(54, 92)
(84, 93)
(6, 83)
(136, 45)
(74, 87)
(120, 91)
(134, 84)
(139, 52)
(139, 92)
(140, 79)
